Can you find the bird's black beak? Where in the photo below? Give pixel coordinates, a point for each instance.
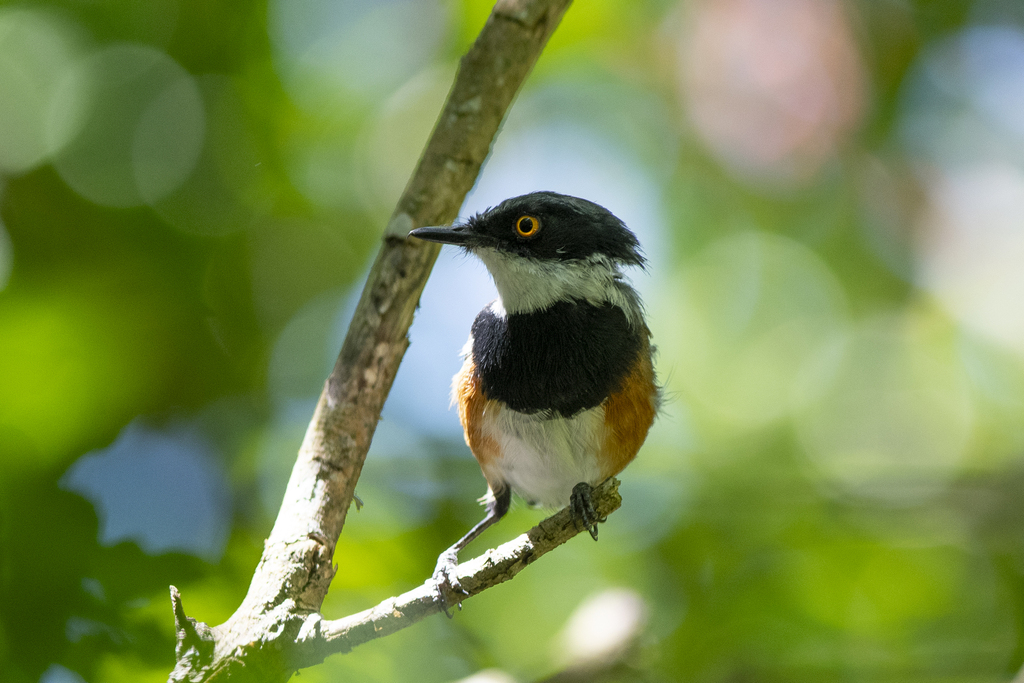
(446, 234)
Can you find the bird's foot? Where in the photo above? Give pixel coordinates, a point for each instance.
(446, 581)
(581, 507)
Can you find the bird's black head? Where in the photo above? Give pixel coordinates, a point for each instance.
(546, 226)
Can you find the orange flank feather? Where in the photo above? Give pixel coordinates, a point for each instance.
(628, 414)
(473, 403)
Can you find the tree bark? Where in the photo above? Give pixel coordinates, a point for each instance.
(270, 636)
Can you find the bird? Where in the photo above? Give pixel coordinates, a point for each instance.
(557, 390)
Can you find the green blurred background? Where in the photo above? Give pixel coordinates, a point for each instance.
(831, 195)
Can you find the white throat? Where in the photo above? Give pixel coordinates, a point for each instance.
(526, 284)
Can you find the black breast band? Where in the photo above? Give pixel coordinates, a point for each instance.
(564, 359)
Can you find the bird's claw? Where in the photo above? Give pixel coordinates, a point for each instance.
(581, 507)
(446, 581)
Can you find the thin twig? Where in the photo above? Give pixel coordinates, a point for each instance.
(495, 566)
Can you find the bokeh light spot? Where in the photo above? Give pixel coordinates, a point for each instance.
(895, 421)
(964, 101)
(971, 248)
(327, 49)
(603, 627)
(772, 87)
(36, 50)
(142, 131)
(168, 139)
(752, 315)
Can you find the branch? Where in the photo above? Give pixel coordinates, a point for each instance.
(319, 638)
(261, 639)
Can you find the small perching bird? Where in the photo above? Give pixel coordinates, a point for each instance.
(558, 389)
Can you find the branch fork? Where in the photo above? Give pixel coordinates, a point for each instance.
(311, 638)
(278, 629)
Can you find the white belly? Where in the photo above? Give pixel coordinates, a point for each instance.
(543, 458)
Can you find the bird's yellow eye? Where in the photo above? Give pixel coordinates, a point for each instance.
(527, 226)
